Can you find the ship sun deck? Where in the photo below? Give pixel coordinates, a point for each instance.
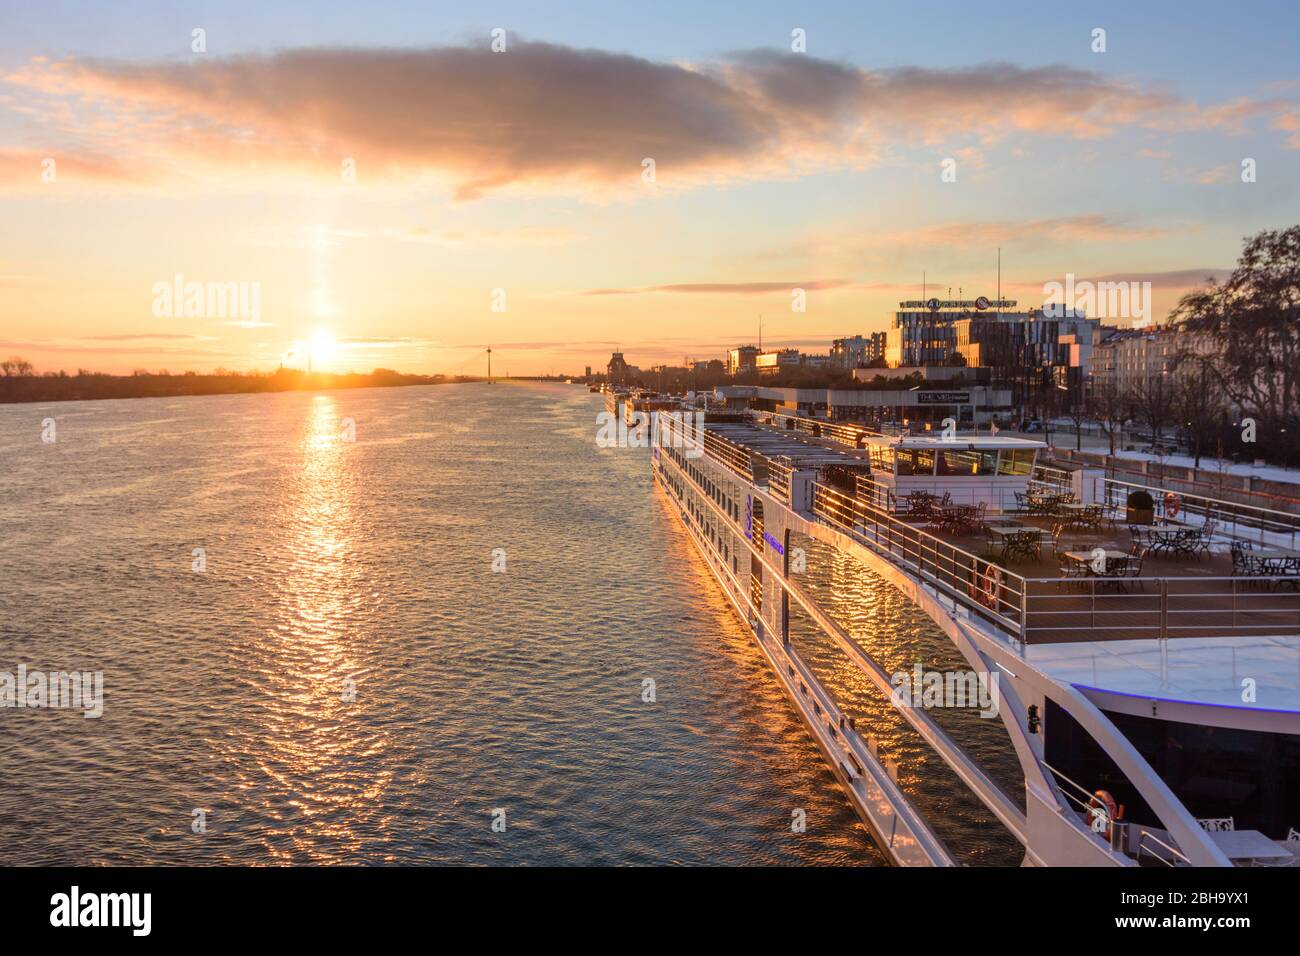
(1039, 568)
(1152, 638)
(1192, 670)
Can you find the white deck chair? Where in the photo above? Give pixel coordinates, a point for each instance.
(1217, 824)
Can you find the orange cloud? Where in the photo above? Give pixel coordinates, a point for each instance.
(1290, 123)
(35, 169)
(546, 117)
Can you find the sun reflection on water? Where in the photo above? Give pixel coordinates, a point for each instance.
(312, 747)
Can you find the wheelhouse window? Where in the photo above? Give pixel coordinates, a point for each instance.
(882, 458)
(915, 461)
(1016, 461)
(967, 462)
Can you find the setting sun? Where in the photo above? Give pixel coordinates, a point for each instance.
(322, 348)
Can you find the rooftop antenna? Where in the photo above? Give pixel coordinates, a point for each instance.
(999, 282)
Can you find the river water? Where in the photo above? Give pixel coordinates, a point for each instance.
(350, 672)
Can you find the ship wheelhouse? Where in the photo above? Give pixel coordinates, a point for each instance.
(967, 468)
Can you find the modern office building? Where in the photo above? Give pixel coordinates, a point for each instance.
(923, 333)
(1045, 361)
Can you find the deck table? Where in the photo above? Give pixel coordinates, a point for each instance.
(1247, 845)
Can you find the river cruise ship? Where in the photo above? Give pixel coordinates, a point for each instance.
(1145, 644)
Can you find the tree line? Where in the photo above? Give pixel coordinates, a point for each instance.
(1231, 386)
(19, 383)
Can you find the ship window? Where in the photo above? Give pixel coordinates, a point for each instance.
(966, 462)
(882, 458)
(915, 461)
(1016, 461)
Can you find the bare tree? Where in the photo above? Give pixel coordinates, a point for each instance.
(1077, 413)
(1106, 404)
(1251, 320)
(1196, 399)
(1152, 399)
(15, 366)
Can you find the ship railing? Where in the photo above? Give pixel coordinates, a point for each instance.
(1146, 837)
(1095, 817)
(728, 454)
(779, 470)
(1063, 610)
(681, 432)
(983, 589)
(846, 433)
(1248, 522)
(1001, 502)
(1055, 479)
(1175, 858)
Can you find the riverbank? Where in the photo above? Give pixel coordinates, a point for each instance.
(94, 386)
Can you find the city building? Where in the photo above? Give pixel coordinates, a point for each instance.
(816, 361)
(780, 360)
(1043, 359)
(618, 372)
(741, 361)
(926, 373)
(1126, 358)
(1046, 361)
(923, 333)
(857, 351)
(970, 406)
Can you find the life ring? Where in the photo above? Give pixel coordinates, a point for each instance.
(1110, 811)
(985, 587)
(1172, 503)
(992, 585)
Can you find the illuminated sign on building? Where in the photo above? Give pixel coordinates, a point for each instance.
(935, 304)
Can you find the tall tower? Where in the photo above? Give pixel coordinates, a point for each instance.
(489, 355)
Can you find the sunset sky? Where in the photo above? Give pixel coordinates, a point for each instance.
(522, 170)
